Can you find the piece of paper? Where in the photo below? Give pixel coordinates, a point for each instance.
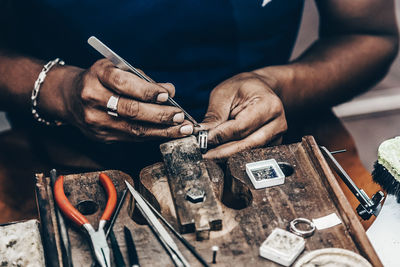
(327, 221)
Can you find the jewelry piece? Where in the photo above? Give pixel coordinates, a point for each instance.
(202, 140)
(36, 88)
(303, 233)
(112, 105)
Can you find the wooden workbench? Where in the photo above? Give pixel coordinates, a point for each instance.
(249, 215)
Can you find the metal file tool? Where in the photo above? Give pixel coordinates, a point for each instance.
(162, 234)
(122, 64)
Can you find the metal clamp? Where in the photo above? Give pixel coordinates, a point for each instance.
(303, 233)
(202, 140)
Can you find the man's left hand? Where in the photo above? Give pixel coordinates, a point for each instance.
(243, 113)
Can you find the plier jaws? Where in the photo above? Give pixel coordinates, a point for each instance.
(98, 240)
(99, 244)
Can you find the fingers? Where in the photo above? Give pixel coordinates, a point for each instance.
(261, 137)
(139, 133)
(140, 117)
(147, 112)
(154, 131)
(103, 127)
(130, 85)
(247, 121)
(248, 117)
(218, 111)
(139, 111)
(137, 95)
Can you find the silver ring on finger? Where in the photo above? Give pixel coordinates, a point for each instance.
(112, 105)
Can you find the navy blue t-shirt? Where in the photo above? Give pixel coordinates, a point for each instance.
(193, 44)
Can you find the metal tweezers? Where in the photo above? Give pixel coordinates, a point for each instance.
(162, 234)
(122, 64)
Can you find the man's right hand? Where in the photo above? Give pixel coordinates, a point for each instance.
(142, 112)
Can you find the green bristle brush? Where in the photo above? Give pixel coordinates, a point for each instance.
(387, 168)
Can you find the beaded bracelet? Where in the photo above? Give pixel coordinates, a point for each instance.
(36, 88)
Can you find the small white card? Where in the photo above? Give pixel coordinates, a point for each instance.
(327, 221)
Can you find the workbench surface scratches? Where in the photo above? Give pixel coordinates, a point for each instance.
(189, 182)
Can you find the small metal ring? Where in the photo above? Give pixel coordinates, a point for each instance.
(302, 233)
(112, 105)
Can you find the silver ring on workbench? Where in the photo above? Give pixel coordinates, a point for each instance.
(112, 105)
(303, 233)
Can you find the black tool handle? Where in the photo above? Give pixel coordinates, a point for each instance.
(346, 178)
(119, 260)
(132, 253)
(116, 212)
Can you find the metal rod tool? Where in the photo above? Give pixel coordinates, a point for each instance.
(367, 207)
(162, 234)
(178, 235)
(116, 212)
(66, 247)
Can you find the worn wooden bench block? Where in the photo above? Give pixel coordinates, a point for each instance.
(21, 244)
(195, 202)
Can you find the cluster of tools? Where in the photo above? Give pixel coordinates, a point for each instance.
(98, 238)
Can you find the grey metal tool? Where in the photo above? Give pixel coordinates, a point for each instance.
(110, 226)
(66, 247)
(178, 235)
(156, 226)
(368, 206)
(122, 64)
(116, 212)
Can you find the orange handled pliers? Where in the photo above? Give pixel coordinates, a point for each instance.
(98, 238)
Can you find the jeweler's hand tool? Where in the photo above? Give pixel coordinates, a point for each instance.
(162, 234)
(65, 245)
(114, 245)
(368, 206)
(122, 64)
(97, 238)
(130, 245)
(178, 235)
